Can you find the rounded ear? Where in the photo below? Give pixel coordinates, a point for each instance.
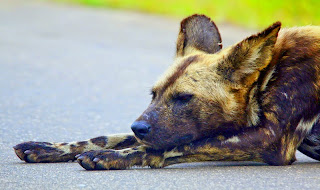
(246, 59)
(198, 32)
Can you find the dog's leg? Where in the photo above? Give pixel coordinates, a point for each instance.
(62, 152)
(311, 144)
(238, 148)
(113, 159)
(255, 144)
(203, 150)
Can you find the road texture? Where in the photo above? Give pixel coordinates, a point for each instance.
(71, 73)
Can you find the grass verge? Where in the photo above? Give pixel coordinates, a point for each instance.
(249, 13)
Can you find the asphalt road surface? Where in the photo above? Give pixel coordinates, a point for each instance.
(71, 73)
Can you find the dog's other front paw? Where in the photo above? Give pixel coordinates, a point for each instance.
(110, 159)
(37, 152)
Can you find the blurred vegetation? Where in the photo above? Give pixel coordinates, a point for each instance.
(249, 13)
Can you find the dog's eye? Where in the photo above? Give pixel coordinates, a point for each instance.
(183, 97)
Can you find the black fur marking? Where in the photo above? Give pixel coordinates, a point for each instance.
(180, 70)
(100, 141)
(82, 143)
(129, 141)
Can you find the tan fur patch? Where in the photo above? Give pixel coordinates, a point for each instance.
(271, 117)
(306, 126)
(253, 108)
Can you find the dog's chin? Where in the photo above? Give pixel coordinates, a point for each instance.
(184, 139)
(162, 145)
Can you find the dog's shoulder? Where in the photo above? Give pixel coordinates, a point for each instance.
(292, 78)
(298, 41)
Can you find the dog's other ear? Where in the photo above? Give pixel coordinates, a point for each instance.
(246, 59)
(198, 32)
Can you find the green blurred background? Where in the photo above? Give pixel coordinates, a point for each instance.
(248, 13)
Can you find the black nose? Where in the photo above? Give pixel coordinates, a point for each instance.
(140, 128)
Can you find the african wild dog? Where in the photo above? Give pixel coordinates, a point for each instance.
(257, 100)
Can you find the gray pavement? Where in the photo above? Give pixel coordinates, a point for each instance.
(71, 73)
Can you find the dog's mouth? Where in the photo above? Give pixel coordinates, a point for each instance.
(167, 145)
(144, 142)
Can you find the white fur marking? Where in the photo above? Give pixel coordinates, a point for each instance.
(285, 94)
(272, 131)
(233, 139)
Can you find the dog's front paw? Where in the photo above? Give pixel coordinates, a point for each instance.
(110, 159)
(37, 152)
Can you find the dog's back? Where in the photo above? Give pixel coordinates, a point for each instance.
(297, 72)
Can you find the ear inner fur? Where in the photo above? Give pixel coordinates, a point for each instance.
(200, 33)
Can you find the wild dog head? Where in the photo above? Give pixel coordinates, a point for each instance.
(207, 91)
